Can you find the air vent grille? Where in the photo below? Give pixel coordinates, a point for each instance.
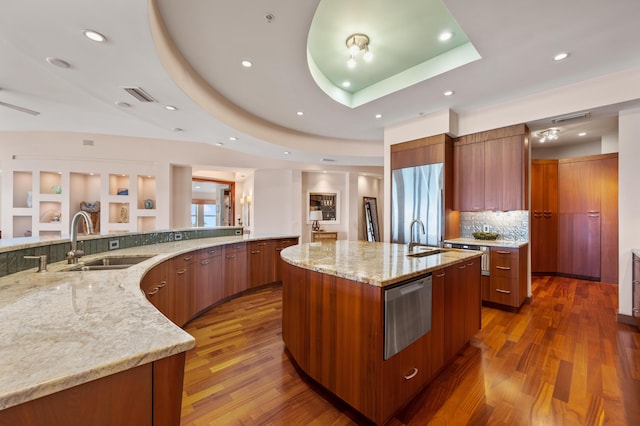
(571, 117)
(139, 94)
(19, 108)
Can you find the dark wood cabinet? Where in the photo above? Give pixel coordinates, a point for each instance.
(469, 176)
(508, 279)
(635, 291)
(280, 245)
(155, 285)
(491, 170)
(208, 277)
(544, 216)
(235, 269)
(588, 217)
(261, 263)
(182, 284)
(473, 300)
(454, 310)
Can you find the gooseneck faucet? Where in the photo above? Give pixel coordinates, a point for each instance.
(412, 243)
(75, 253)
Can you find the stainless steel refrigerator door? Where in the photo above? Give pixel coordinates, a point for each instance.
(417, 193)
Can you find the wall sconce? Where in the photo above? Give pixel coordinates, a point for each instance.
(357, 43)
(315, 216)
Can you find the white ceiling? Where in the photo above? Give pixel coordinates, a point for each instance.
(516, 40)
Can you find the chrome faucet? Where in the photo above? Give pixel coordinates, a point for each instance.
(75, 253)
(412, 243)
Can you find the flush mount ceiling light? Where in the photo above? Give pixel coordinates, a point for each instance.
(560, 56)
(358, 43)
(548, 135)
(57, 62)
(247, 63)
(94, 36)
(445, 36)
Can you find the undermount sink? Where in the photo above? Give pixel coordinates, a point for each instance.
(420, 251)
(109, 263)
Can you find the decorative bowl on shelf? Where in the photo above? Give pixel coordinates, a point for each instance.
(485, 236)
(148, 204)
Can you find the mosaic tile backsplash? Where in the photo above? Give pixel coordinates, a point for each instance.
(510, 226)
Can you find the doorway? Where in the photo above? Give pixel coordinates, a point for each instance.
(212, 203)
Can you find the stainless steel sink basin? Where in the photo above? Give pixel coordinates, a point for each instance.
(421, 251)
(109, 263)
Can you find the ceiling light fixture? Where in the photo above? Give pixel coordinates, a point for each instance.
(445, 36)
(247, 63)
(94, 36)
(287, 153)
(560, 56)
(233, 138)
(57, 62)
(582, 134)
(449, 93)
(300, 113)
(358, 43)
(378, 115)
(346, 84)
(170, 108)
(548, 135)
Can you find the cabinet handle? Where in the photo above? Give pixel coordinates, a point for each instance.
(255, 251)
(440, 275)
(204, 262)
(187, 258)
(412, 374)
(503, 252)
(154, 291)
(499, 290)
(162, 284)
(212, 251)
(231, 256)
(262, 244)
(470, 264)
(594, 216)
(181, 271)
(504, 268)
(594, 211)
(461, 267)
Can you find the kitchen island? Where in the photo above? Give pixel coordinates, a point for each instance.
(333, 318)
(88, 346)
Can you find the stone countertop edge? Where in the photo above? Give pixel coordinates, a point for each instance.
(488, 243)
(374, 263)
(62, 329)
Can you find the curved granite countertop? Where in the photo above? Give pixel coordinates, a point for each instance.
(61, 329)
(379, 264)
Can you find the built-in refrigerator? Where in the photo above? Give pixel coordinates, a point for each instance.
(417, 193)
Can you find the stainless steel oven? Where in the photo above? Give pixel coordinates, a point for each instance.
(407, 314)
(486, 253)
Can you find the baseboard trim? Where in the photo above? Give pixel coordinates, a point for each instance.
(626, 319)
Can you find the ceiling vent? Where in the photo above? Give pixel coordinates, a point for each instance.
(19, 108)
(139, 94)
(571, 117)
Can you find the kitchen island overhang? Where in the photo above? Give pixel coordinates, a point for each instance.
(333, 318)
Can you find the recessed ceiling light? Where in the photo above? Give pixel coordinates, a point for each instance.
(445, 35)
(94, 36)
(449, 93)
(560, 56)
(219, 144)
(233, 138)
(300, 113)
(170, 107)
(123, 104)
(287, 153)
(378, 115)
(247, 63)
(582, 134)
(177, 129)
(346, 84)
(57, 62)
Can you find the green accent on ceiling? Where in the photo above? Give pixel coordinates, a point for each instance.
(403, 39)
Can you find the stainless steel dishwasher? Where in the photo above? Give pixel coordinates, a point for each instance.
(407, 314)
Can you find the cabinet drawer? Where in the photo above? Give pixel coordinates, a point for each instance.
(210, 252)
(504, 262)
(504, 290)
(184, 260)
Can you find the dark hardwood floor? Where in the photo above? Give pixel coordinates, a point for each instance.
(562, 360)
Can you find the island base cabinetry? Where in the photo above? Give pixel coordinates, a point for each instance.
(149, 394)
(333, 328)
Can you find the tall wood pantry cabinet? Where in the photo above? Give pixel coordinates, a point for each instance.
(544, 216)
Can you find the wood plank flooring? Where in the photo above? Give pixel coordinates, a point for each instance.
(562, 360)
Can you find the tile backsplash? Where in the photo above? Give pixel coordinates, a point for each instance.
(510, 226)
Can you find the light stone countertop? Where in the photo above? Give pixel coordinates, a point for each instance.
(378, 264)
(61, 329)
(488, 243)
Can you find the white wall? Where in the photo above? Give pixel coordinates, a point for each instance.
(276, 199)
(628, 202)
(180, 196)
(567, 151)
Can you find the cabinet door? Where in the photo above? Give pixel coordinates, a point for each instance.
(279, 246)
(454, 310)
(504, 180)
(208, 277)
(183, 290)
(155, 287)
(469, 176)
(473, 303)
(504, 276)
(437, 320)
(579, 244)
(636, 289)
(578, 186)
(235, 269)
(261, 263)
